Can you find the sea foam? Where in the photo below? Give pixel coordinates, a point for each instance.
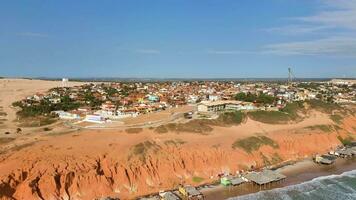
(340, 187)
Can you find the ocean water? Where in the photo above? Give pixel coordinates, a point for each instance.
(333, 187)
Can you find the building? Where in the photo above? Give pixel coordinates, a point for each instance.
(66, 115)
(94, 119)
(216, 106)
(190, 192)
(169, 196)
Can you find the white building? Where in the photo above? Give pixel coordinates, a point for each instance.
(215, 106)
(66, 115)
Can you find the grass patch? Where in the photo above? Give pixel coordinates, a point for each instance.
(322, 106)
(175, 142)
(270, 117)
(140, 150)
(324, 128)
(253, 143)
(345, 141)
(37, 121)
(292, 109)
(203, 126)
(133, 130)
(161, 129)
(194, 126)
(336, 118)
(5, 140)
(197, 179)
(230, 118)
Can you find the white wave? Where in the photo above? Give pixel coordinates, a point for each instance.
(315, 188)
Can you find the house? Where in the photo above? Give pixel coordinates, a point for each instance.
(215, 106)
(211, 106)
(152, 98)
(169, 196)
(225, 181)
(66, 115)
(190, 192)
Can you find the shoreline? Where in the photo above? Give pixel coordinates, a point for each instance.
(299, 172)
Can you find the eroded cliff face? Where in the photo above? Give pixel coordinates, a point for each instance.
(130, 171)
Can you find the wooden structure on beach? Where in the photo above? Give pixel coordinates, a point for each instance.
(191, 192)
(264, 178)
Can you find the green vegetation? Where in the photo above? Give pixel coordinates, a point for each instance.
(161, 129)
(175, 142)
(336, 118)
(261, 98)
(203, 126)
(44, 107)
(322, 106)
(197, 179)
(253, 143)
(293, 108)
(142, 149)
(4, 140)
(311, 85)
(288, 113)
(324, 128)
(270, 117)
(345, 141)
(229, 118)
(134, 130)
(194, 126)
(37, 121)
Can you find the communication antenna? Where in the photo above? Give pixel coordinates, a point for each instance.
(290, 75)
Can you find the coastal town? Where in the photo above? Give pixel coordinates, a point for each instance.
(106, 102)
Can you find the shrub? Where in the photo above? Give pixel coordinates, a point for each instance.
(253, 143)
(322, 106)
(141, 150)
(345, 141)
(270, 117)
(161, 129)
(336, 118)
(324, 128)
(133, 130)
(197, 179)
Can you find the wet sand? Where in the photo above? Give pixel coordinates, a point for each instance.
(300, 172)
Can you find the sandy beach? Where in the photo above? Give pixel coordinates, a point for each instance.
(301, 171)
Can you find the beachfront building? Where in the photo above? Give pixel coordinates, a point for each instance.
(216, 106)
(169, 196)
(190, 192)
(225, 181)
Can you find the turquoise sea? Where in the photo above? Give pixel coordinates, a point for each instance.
(333, 187)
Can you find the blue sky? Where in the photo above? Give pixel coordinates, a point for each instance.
(178, 38)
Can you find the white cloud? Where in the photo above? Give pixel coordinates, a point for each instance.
(227, 52)
(32, 34)
(297, 29)
(148, 51)
(335, 46)
(336, 25)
